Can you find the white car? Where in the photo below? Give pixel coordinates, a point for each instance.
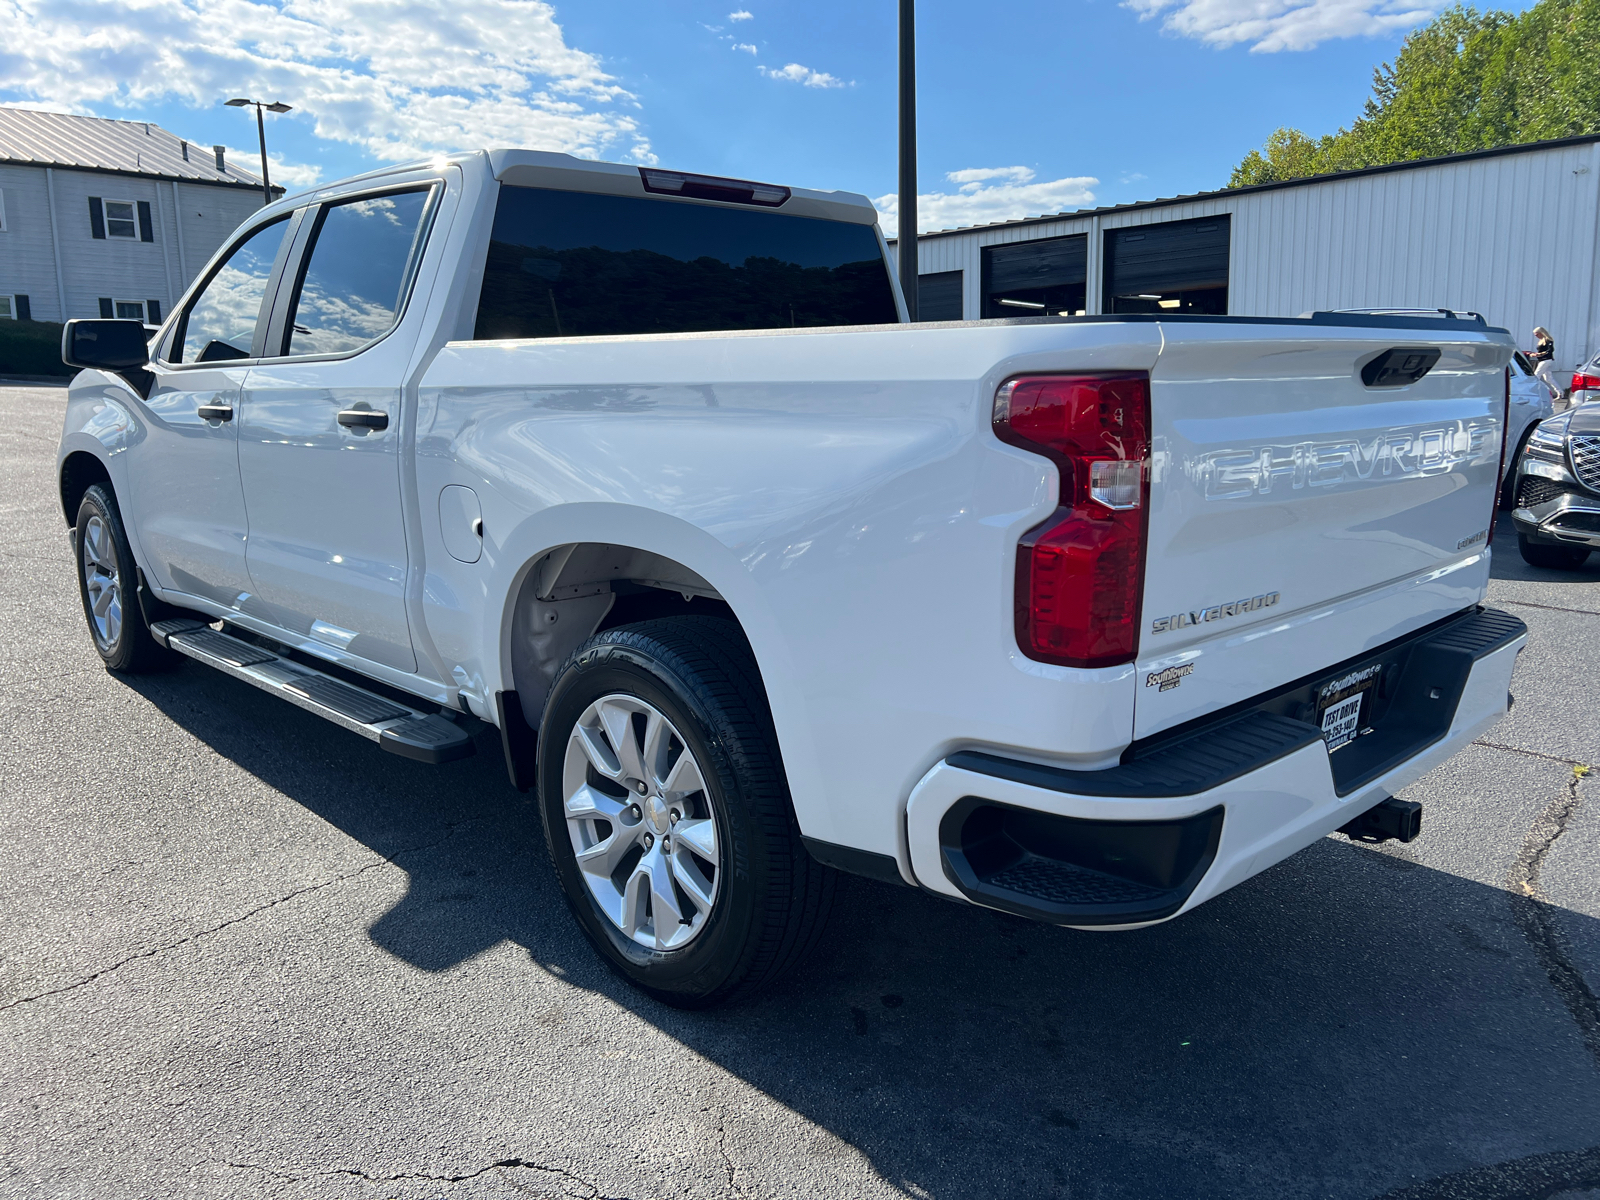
(1531, 401)
(1586, 382)
(1087, 619)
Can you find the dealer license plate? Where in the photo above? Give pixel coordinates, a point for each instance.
(1341, 705)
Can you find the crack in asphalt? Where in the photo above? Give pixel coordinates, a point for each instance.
(727, 1159)
(503, 1164)
(387, 860)
(1570, 762)
(1535, 912)
(1582, 612)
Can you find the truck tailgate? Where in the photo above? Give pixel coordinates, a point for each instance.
(1299, 517)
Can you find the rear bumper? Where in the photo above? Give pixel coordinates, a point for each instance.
(1194, 813)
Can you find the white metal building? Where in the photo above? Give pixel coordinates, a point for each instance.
(108, 218)
(1508, 233)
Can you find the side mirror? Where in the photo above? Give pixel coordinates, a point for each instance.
(105, 345)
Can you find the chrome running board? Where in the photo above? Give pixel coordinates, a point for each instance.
(396, 727)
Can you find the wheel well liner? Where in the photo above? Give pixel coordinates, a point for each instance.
(80, 471)
(572, 592)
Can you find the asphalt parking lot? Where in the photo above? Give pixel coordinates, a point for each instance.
(244, 953)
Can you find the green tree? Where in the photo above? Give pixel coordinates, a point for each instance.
(1465, 81)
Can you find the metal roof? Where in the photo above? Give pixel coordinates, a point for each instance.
(1408, 165)
(48, 139)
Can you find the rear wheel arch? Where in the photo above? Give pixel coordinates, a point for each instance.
(568, 594)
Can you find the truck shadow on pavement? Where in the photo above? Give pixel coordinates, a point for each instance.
(1348, 1024)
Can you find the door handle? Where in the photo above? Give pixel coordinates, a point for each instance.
(363, 418)
(215, 412)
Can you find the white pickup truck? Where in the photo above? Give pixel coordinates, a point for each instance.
(1085, 619)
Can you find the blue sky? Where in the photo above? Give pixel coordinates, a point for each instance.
(1024, 108)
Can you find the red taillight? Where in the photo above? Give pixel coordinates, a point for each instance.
(1080, 575)
(1580, 380)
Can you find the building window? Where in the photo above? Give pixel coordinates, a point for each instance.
(129, 310)
(120, 220)
(2, 210)
(8, 308)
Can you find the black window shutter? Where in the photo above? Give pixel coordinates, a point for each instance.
(24, 309)
(147, 231)
(97, 218)
(106, 310)
(152, 311)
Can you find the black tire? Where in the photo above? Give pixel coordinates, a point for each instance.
(1554, 558)
(125, 644)
(773, 898)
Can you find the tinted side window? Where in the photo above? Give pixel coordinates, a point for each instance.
(356, 273)
(221, 322)
(563, 264)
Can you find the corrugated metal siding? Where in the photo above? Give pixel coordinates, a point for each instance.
(1513, 237)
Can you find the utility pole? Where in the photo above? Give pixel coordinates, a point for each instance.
(908, 156)
(261, 132)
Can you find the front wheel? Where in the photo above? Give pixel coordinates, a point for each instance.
(107, 577)
(667, 813)
(1555, 558)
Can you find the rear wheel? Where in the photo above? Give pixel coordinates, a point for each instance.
(107, 578)
(668, 817)
(1556, 558)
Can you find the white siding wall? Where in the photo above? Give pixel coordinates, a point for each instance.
(26, 263)
(209, 215)
(1513, 237)
(114, 267)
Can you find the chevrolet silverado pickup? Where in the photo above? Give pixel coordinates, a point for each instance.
(1086, 619)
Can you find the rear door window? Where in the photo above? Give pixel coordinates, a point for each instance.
(220, 323)
(566, 264)
(357, 271)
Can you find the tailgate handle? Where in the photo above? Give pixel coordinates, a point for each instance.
(1399, 366)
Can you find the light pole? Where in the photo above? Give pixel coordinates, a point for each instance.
(261, 131)
(908, 156)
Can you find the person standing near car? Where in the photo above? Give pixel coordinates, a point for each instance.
(1543, 356)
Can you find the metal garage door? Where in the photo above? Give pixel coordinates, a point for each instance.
(1035, 278)
(1173, 266)
(939, 296)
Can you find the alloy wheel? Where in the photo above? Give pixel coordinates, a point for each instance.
(102, 582)
(641, 823)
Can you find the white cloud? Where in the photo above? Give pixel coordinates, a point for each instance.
(978, 201)
(745, 46)
(294, 176)
(795, 73)
(978, 175)
(400, 79)
(741, 15)
(1273, 25)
